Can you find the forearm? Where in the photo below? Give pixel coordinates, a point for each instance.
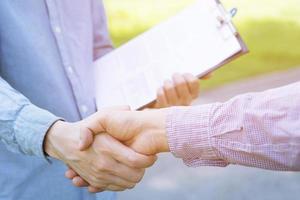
(259, 130)
(22, 125)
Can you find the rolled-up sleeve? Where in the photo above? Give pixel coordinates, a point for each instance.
(23, 126)
(256, 129)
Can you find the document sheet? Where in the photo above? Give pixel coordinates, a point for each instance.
(196, 40)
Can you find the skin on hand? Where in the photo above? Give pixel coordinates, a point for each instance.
(106, 165)
(181, 91)
(143, 131)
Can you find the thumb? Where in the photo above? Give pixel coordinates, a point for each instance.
(92, 126)
(86, 138)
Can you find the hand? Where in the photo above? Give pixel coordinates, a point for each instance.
(143, 131)
(106, 165)
(181, 91)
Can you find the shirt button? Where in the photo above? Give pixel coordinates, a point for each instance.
(84, 108)
(57, 29)
(70, 70)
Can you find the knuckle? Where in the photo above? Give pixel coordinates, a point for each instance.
(99, 168)
(100, 176)
(94, 181)
(99, 185)
(141, 175)
(102, 166)
(133, 160)
(138, 176)
(136, 179)
(151, 163)
(115, 188)
(96, 184)
(168, 88)
(95, 189)
(131, 186)
(120, 189)
(180, 83)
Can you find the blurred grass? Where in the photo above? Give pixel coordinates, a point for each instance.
(270, 28)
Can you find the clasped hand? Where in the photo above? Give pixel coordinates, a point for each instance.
(110, 150)
(144, 132)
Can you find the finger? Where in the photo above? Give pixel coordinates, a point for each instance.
(106, 176)
(108, 188)
(94, 122)
(95, 189)
(182, 89)
(79, 182)
(193, 84)
(171, 94)
(129, 157)
(110, 179)
(70, 174)
(116, 188)
(130, 174)
(93, 126)
(161, 99)
(86, 138)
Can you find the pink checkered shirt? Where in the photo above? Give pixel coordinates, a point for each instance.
(256, 129)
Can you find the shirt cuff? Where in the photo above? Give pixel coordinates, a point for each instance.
(189, 136)
(30, 128)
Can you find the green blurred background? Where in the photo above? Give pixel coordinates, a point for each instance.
(270, 28)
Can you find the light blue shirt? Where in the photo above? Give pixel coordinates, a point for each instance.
(46, 54)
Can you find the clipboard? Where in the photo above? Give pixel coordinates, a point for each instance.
(198, 40)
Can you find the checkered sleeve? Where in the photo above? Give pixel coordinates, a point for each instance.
(256, 129)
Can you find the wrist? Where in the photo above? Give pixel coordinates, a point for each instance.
(51, 137)
(159, 123)
(60, 140)
(163, 145)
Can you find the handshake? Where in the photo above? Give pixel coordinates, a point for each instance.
(111, 149)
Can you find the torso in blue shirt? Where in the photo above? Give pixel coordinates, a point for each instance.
(55, 75)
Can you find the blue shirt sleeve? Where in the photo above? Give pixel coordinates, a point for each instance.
(23, 126)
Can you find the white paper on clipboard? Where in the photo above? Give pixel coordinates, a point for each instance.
(198, 40)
